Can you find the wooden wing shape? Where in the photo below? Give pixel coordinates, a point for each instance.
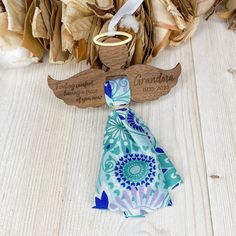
(85, 89)
(149, 83)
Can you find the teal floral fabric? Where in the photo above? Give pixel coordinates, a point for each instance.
(135, 175)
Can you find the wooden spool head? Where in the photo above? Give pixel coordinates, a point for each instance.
(114, 57)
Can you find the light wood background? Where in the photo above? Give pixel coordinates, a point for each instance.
(50, 152)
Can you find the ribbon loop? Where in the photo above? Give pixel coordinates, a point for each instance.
(128, 8)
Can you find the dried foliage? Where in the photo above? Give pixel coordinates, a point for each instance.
(225, 9)
(66, 28)
(2, 7)
(202, 6)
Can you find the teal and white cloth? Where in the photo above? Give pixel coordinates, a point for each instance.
(135, 175)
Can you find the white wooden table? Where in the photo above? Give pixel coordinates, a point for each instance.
(50, 152)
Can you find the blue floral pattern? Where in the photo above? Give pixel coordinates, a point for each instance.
(135, 175)
(134, 122)
(135, 170)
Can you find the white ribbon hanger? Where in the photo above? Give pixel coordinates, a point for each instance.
(129, 8)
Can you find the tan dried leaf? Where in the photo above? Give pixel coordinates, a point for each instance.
(67, 40)
(162, 18)
(80, 50)
(104, 27)
(92, 54)
(102, 12)
(201, 7)
(185, 8)
(162, 39)
(141, 42)
(46, 13)
(2, 7)
(232, 22)
(231, 5)
(177, 38)
(104, 3)
(16, 14)
(77, 7)
(56, 55)
(77, 19)
(173, 11)
(29, 42)
(164, 23)
(81, 28)
(38, 27)
(8, 39)
(226, 9)
(119, 3)
(139, 51)
(27, 4)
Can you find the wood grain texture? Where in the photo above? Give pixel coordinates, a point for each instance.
(50, 152)
(216, 86)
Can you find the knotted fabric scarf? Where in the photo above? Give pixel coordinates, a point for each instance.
(135, 175)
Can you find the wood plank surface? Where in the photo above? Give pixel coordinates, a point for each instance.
(214, 52)
(50, 152)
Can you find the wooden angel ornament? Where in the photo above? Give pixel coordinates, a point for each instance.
(135, 175)
(86, 89)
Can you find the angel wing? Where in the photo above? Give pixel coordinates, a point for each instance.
(85, 89)
(149, 83)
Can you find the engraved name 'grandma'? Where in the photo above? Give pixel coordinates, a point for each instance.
(154, 79)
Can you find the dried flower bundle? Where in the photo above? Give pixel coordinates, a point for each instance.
(66, 28)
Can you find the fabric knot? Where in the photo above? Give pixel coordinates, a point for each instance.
(120, 107)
